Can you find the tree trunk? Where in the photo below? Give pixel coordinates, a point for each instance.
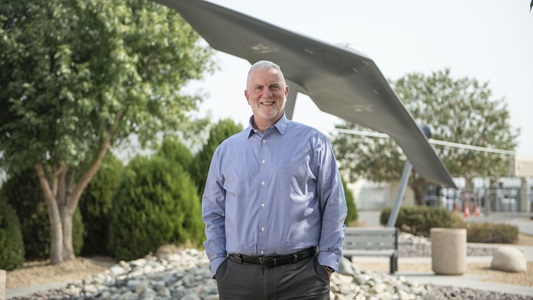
(469, 185)
(68, 249)
(419, 186)
(56, 229)
(63, 195)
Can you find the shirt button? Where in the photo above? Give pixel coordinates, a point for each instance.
(262, 228)
(262, 183)
(262, 252)
(264, 141)
(263, 161)
(262, 205)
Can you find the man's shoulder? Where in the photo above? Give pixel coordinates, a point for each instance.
(236, 138)
(299, 128)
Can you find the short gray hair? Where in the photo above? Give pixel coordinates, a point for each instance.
(265, 65)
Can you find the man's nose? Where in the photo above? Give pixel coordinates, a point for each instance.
(266, 94)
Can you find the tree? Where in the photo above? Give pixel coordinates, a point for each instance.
(79, 76)
(459, 110)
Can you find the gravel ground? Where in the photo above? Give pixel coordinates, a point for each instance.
(36, 273)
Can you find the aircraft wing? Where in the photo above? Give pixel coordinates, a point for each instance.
(341, 81)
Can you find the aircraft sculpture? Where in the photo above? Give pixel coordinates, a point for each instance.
(341, 81)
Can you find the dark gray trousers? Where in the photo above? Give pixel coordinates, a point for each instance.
(305, 279)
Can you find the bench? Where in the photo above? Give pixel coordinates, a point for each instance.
(372, 242)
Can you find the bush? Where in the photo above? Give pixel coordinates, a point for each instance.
(491, 233)
(156, 204)
(11, 244)
(218, 133)
(23, 192)
(457, 220)
(95, 205)
(350, 203)
(418, 220)
(172, 149)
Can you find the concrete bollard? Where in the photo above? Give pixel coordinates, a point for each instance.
(2, 285)
(448, 251)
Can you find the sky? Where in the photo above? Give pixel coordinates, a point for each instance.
(491, 41)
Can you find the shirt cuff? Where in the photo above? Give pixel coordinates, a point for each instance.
(329, 259)
(215, 263)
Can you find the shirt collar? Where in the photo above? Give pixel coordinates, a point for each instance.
(280, 125)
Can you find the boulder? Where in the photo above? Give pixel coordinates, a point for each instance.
(509, 259)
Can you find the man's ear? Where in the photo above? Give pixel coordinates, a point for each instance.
(246, 95)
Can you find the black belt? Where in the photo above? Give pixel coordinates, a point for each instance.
(277, 260)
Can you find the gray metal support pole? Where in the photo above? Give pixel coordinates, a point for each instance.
(428, 132)
(399, 194)
(291, 98)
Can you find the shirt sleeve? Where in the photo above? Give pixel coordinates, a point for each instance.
(333, 207)
(213, 215)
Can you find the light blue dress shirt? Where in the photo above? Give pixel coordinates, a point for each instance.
(274, 193)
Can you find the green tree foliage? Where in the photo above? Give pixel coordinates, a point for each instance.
(217, 134)
(459, 110)
(79, 76)
(96, 202)
(11, 244)
(23, 193)
(172, 149)
(350, 203)
(157, 204)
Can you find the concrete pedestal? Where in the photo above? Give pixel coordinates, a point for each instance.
(2, 285)
(448, 251)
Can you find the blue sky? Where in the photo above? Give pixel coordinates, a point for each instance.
(491, 41)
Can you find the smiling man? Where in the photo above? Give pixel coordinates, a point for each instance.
(274, 205)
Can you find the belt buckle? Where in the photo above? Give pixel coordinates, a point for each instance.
(263, 260)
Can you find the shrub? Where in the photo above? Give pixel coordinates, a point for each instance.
(218, 133)
(156, 204)
(11, 244)
(95, 205)
(23, 192)
(457, 220)
(350, 203)
(491, 233)
(418, 220)
(172, 149)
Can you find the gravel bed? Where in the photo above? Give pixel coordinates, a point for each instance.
(441, 292)
(438, 292)
(409, 247)
(422, 250)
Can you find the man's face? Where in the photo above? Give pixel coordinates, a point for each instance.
(266, 94)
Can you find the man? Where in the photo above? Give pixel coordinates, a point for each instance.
(274, 204)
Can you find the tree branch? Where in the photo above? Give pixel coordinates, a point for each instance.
(95, 166)
(55, 177)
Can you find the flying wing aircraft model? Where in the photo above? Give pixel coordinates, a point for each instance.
(341, 81)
